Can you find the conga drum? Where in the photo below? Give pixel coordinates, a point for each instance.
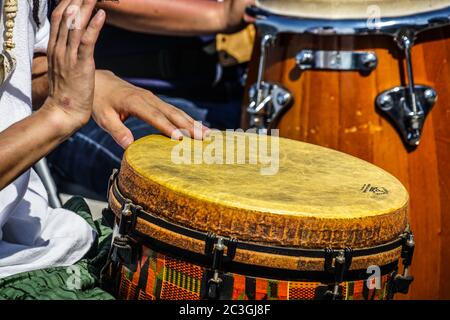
(324, 225)
(371, 79)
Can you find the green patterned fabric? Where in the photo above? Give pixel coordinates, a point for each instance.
(77, 282)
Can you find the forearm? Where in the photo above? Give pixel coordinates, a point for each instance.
(180, 17)
(27, 141)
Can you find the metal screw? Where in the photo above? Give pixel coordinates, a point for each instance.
(410, 242)
(283, 98)
(252, 92)
(430, 95)
(369, 61)
(305, 57)
(386, 102)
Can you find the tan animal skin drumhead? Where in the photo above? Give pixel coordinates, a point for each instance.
(317, 196)
(350, 9)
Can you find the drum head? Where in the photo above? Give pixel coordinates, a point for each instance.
(297, 194)
(350, 9)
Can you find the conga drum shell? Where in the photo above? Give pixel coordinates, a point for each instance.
(350, 9)
(337, 109)
(319, 197)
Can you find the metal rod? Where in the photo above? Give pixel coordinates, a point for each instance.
(43, 171)
(407, 44)
(262, 66)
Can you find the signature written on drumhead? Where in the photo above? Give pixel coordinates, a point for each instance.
(230, 147)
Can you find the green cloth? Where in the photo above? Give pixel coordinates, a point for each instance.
(77, 282)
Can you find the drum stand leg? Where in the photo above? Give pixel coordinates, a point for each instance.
(43, 171)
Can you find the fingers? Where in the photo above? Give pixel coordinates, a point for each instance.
(77, 23)
(90, 36)
(112, 124)
(157, 119)
(68, 18)
(183, 121)
(83, 18)
(176, 117)
(73, 29)
(55, 23)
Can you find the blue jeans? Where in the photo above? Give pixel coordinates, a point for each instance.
(88, 158)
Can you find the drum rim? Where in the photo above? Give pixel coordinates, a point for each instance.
(273, 23)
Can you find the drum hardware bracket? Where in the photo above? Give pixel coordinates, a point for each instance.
(407, 106)
(123, 250)
(342, 263)
(113, 176)
(402, 282)
(394, 104)
(364, 62)
(274, 100)
(267, 100)
(215, 249)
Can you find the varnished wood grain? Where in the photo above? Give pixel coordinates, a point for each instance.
(337, 110)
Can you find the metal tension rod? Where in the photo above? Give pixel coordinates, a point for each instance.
(405, 41)
(265, 43)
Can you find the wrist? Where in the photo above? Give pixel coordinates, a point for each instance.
(64, 123)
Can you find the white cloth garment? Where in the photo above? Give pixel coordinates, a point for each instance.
(32, 235)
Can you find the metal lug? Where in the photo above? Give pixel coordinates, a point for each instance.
(395, 104)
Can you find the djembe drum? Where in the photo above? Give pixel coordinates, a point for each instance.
(324, 225)
(369, 78)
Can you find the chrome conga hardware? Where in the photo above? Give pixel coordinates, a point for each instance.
(274, 100)
(337, 60)
(407, 106)
(267, 100)
(395, 104)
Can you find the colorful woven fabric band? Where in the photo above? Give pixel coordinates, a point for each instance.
(162, 277)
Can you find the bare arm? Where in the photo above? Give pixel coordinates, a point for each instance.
(177, 17)
(27, 141)
(70, 95)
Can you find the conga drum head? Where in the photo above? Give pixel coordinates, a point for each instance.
(350, 9)
(278, 209)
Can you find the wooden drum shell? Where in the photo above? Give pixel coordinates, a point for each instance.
(336, 109)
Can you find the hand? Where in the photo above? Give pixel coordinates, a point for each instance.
(71, 66)
(235, 16)
(115, 100)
